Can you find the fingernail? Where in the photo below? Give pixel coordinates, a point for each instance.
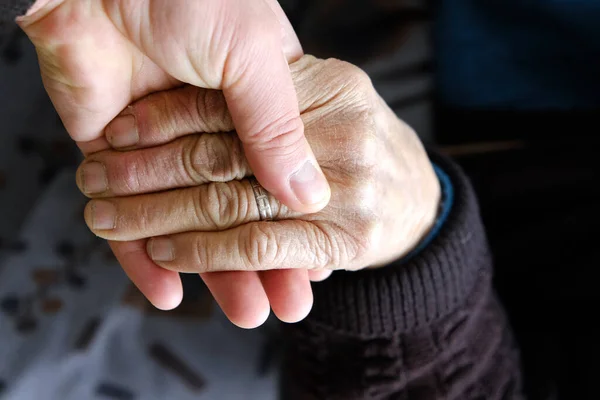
(122, 132)
(161, 249)
(104, 215)
(309, 184)
(93, 178)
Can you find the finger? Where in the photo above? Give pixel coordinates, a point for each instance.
(247, 62)
(251, 247)
(189, 161)
(289, 293)
(93, 146)
(267, 118)
(90, 71)
(291, 45)
(319, 275)
(161, 117)
(161, 287)
(240, 295)
(212, 207)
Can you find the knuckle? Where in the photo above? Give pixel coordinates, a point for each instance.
(227, 204)
(217, 207)
(356, 77)
(352, 78)
(198, 201)
(203, 258)
(201, 154)
(227, 161)
(211, 112)
(205, 159)
(214, 158)
(337, 245)
(326, 247)
(159, 121)
(365, 147)
(260, 247)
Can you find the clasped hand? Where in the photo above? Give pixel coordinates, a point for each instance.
(180, 201)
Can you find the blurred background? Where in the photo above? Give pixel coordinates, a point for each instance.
(513, 98)
(72, 326)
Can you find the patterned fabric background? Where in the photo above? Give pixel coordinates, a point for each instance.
(71, 325)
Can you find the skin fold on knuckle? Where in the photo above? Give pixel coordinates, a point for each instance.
(195, 156)
(212, 158)
(227, 162)
(162, 113)
(331, 83)
(201, 259)
(211, 112)
(223, 206)
(324, 245)
(259, 247)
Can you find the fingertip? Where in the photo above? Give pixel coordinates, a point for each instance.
(310, 187)
(302, 189)
(319, 275)
(289, 292)
(122, 132)
(297, 314)
(94, 146)
(251, 320)
(167, 299)
(240, 295)
(161, 287)
(164, 290)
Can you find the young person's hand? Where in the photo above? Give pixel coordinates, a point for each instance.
(98, 56)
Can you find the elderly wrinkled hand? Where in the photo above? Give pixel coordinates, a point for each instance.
(186, 188)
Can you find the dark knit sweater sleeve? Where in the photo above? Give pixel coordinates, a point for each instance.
(429, 328)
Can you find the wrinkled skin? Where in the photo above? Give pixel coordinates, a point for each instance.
(384, 194)
(98, 56)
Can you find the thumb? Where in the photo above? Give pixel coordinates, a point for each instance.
(240, 47)
(262, 100)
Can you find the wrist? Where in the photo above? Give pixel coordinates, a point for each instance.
(413, 292)
(433, 209)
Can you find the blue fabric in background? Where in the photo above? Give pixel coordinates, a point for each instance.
(523, 54)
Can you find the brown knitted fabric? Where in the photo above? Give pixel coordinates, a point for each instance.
(427, 329)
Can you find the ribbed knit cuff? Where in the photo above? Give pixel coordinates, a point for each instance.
(405, 295)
